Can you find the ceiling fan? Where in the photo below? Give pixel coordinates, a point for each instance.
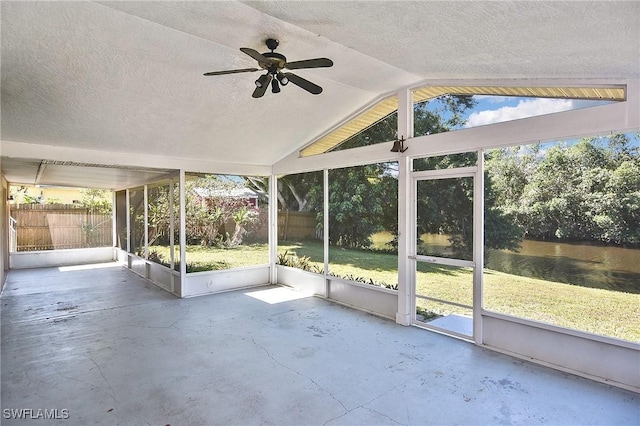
(274, 63)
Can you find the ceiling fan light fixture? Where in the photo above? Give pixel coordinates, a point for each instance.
(282, 78)
(262, 80)
(275, 88)
(273, 63)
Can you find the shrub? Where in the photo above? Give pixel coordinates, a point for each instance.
(156, 257)
(293, 261)
(369, 281)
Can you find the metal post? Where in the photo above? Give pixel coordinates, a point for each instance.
(325, 225)
(405, 270)
(146, 222)
(405, 200)
(128, 204)
(172, 218)
(273, 228)
(114, 216)
(478, 247)
(183, 235)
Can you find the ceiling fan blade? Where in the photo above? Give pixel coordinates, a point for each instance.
(259, 92)
(303, 83)
(231, 71)
(309, 63)
(255, 55)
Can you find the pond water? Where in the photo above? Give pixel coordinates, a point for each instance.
(590, 265)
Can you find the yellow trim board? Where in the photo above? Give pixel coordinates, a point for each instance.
(388, 105)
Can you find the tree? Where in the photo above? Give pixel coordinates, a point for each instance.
(359, 198)
(210, 207)
(442, 114)
(445, 206)
(299, 192)
(363, 199)
(354, 216)
(583, 191)
(243, 217)
(509, 170)
(619, 215)
(159, 213)
(97, 201)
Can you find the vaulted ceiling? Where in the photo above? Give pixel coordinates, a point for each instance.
(119, 80)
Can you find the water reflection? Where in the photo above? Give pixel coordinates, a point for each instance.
(435, 245)
(587, 265)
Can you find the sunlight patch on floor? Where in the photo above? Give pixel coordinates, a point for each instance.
(87, 267)
(456, 323)
(276, 295)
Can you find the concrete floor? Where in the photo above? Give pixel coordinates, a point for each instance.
(111, 348)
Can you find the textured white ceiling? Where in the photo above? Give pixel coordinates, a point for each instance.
(126, 77)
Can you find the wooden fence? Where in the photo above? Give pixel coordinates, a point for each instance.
(292, 226)
(297, 225)
(64, 226)
(59, 226)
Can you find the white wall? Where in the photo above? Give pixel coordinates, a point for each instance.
(596, 357)
(4, 230)
(48, 258)
(376, 300)
(210, 282)
(160, 275)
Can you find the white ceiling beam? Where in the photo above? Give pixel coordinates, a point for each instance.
(41, 168)
(616, 117)
(110, 158)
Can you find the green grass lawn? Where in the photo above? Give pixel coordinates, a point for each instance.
(595, 310)
(600, 311)
(201, 258)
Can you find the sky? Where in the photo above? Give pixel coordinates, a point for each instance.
(495, 109)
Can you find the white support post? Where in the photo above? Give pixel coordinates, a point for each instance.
(405, 278)
(146, 222)
(478, 247)
(172, 228)
(633, 104)
(405, 272)
(114, 216)
(273, 228)
(405, 114)
(183, 235)
(128, 203)
(325, 229)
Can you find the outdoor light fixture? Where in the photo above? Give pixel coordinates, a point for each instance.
(262, 80)
(282, 78)
(275, 88)
(398, 146)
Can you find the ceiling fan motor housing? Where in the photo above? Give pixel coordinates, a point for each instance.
(276, 62)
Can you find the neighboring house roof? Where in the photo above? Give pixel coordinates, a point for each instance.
(233, 193)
